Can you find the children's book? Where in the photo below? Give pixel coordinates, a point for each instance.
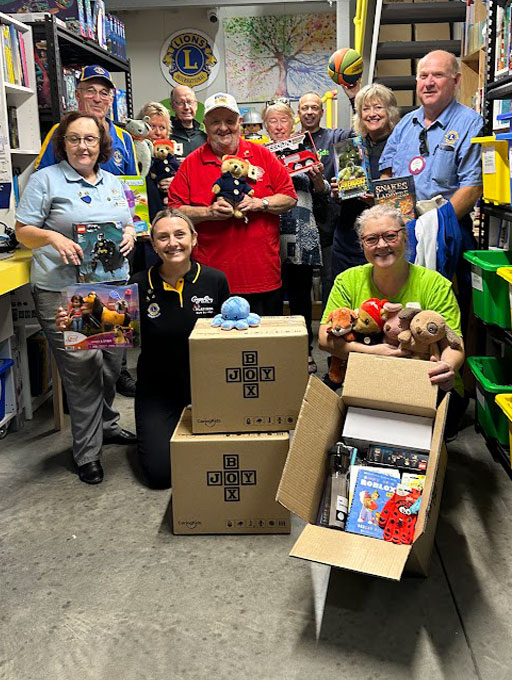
(397, 192)
(137, 196)
(354, 472)
(102, 316)
(103, 261)
(372, 492)
(297, 153)
(352, 168)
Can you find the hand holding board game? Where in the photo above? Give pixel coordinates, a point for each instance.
(103, 261)
(297, 153)
(101, 316)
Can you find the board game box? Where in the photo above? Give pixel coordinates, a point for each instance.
(397, 192)
(352, 168)
(103, 261)
(102, 316)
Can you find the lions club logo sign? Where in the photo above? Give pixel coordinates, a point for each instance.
(189, 57)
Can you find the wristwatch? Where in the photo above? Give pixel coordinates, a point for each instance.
(265, 203)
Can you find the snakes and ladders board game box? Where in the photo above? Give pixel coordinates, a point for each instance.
(249, 380)
(352, 168)
(399, 387)
(103, 261)
(398, 193)
(227, 483)
(102, 316)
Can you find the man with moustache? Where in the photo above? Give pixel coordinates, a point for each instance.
(248, 253)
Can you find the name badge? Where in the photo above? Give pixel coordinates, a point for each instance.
(416, 165)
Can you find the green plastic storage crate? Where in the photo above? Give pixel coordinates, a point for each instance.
(493, 376)
(490, 291)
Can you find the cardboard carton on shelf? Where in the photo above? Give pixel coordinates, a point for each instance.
(398, 386)
(248, 381)
(227, 483)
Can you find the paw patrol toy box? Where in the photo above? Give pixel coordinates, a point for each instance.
(374, 386)
(250, 380)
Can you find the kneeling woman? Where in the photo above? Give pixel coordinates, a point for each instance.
(173, 294)
(390, 276)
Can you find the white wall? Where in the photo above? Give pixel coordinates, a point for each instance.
(147, 30)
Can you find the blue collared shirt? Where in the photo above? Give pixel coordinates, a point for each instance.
(453, 162)
(122, 162)
(56, 198)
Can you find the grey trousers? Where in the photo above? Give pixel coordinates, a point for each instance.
(89, 378)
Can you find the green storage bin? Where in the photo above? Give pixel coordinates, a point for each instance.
(490, 291)
(493, 376)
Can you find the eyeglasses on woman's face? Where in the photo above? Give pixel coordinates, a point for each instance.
(389, 237)
(88, 140)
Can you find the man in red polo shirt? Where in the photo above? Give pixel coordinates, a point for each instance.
(247, 252)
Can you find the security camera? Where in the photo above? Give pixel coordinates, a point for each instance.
(213, 16)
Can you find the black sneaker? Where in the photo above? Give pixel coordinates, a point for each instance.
(125, 384)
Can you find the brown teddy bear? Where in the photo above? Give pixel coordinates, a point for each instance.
(232, 185)
(392, 326)
(422, 332)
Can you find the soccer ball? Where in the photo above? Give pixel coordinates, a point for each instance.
(345, 66)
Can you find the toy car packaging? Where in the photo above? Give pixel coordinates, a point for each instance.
(297, 153)
(353, 168)
(101, 316)
(103, 261)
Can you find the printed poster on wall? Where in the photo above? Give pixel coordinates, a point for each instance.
(278, 56)
(189, 57)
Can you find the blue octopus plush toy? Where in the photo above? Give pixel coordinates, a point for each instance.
(235, 313)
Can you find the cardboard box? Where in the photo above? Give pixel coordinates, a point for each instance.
(227, 483)
(389, 384)
(248, 381)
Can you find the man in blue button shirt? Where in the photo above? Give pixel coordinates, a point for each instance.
(94, 94)
(433, 143)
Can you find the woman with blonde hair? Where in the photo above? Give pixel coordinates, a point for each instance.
(159, 119)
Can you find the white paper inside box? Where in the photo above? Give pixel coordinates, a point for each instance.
(398, 386)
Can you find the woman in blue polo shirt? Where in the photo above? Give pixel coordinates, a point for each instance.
(76, 190)
(173, 294)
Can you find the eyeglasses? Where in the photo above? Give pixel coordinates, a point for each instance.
(88, 140)
(278, 100)
(423, 143)
(185, 102)
(91, 92)
(390, 237)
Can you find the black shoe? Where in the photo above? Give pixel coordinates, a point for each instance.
(91, 473)
(121, 437)
(125, 384)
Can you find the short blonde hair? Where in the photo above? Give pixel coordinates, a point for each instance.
(156, 109)
(278, 107)
(172, 213)
(373, 93)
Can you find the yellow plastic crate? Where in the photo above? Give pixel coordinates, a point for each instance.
(495, 169)
(506, 273)
(504, 401)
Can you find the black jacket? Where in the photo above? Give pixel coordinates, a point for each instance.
(191, 139)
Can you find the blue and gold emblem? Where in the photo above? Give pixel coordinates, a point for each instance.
(188, 58)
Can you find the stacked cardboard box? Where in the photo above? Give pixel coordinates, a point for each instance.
(229, 450)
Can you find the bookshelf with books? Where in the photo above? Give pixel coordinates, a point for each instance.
(473, 57)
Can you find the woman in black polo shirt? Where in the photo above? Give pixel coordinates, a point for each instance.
(173, 294)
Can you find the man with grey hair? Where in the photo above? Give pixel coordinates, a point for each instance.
(433, 143)
(185, 128)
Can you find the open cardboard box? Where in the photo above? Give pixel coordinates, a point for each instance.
(388, 384)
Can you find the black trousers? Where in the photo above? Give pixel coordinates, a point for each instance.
(265, 304)
(156, 417)
(297, 281)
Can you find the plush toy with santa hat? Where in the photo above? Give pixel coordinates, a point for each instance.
(369, 326)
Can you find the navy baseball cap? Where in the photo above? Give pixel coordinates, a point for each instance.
(95, 71)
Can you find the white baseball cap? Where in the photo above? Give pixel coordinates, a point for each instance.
(221, 100)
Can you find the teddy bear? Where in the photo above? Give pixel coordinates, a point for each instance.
(139, 130)
(164, 163)
(392, 326)
(340, 322)
(423, 329)
(232, 184)
(370, 321)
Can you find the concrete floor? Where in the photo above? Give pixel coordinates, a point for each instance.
(95, 586)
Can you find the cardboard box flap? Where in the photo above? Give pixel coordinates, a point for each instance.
(389, 384)
(318, 428)
(270, 325)
(351, 551)
(428, 498)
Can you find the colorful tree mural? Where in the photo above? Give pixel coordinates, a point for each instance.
(278, 56)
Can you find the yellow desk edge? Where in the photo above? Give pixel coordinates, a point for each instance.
(15, 271)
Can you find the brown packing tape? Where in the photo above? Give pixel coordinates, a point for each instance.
(318, 428)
